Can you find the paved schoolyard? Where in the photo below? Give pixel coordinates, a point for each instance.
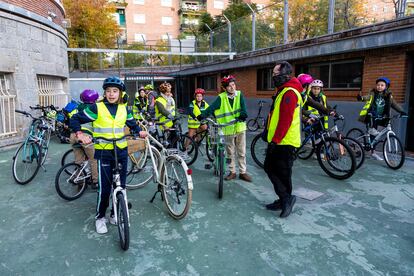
(363, 225)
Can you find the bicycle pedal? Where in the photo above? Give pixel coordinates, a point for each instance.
(207, 166)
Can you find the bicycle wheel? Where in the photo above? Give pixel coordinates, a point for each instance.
(141, 169)
(70, 181)
(258, 149)
(209, 149)
(220, 160)
(307, 148)
(26, 162)
(358, 135)
(252, 125)
(336, 158)
(187, 149)
(45, 144)
(357, 149)
(122, 221)
(68, 157)
(394, 153)
(177, 189)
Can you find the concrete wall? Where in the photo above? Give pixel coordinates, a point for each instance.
(78, 85)
(30, 47)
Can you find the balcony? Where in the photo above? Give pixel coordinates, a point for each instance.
(188, 7)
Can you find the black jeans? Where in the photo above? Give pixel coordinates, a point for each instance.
(278, 166)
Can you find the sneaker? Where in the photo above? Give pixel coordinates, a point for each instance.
(287, 207)
(100, 225)
(230, 176)
(276, 205)
(112, 220)
(376, 156)
(245, 177)
(372, 131)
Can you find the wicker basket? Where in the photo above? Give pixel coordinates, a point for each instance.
(133, 144)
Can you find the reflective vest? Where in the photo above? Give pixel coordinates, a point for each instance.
(108, 127)
(316, 112)
(84, 127)
(292, 136)
(228, 114)
(136, 111)
(160, 117)
(196, 111)
(366, 107)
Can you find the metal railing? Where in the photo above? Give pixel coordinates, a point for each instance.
(7, 107)
(50, 91)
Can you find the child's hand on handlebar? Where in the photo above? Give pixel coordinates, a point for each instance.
(83, 138)
(143, 134)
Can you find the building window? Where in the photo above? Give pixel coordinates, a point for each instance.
(139, 18)
(166, 3)
(121, 17)
(166, 20)
(139, 2)
(336, 75)
(264, 79)
(164, 37)
(50, 91)
(7, 106)
(208, 82)
(139, 37)
(218, 5)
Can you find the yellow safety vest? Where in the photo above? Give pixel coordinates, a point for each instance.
(88, 128)
(228, 114)
(292, 136)
(366, 107)
(135, 111)
(160, 117)
(197, 111)
(108, 127)
(316, 112)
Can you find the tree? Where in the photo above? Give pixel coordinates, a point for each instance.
(92, 26)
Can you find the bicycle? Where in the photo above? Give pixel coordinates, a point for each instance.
(204, 137)
(172, 176)
(258, 122)
(334, 156)
(218, 143)
(394, 153)
(258, 149)
(31, 154)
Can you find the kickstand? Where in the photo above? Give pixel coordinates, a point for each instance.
(155, 194)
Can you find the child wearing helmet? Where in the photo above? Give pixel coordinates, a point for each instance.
(195, 108)
(88, 97)
(108, 119)
(379, 102)
(140, 104)
(315, 94)
(229, 108)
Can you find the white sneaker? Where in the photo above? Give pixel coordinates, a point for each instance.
(376, 157)
(100, 225)
(112, 220)
(372, 131)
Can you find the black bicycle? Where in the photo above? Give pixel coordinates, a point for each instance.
(259, 121)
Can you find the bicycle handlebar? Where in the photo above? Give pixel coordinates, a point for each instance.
(95, 139)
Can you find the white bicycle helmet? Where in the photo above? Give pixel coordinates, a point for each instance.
(316, 83)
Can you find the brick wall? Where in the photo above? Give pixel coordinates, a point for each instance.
(41, 7)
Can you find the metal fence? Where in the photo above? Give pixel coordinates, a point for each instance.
(7, 106)
(50, 91)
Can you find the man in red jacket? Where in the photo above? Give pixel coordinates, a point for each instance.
(283, 135)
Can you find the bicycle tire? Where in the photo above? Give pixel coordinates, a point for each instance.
(68, 172)
(35, 153)
(122, 221)
(189, 153)
(45, 144)
(357, 149)
(333, 155)
(304, 152)
(357, 134)
(387, 154)
(176, 185)
(140, 177)
(220, 160)
(252, 125)
(209, 149)
(65, 157)
(258, 149)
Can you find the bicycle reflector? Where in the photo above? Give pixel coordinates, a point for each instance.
(189, 171)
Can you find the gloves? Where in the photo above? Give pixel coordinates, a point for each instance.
(200, 117)
(242, 118)
(359, 98)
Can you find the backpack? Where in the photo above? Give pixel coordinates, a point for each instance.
(72, 105)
